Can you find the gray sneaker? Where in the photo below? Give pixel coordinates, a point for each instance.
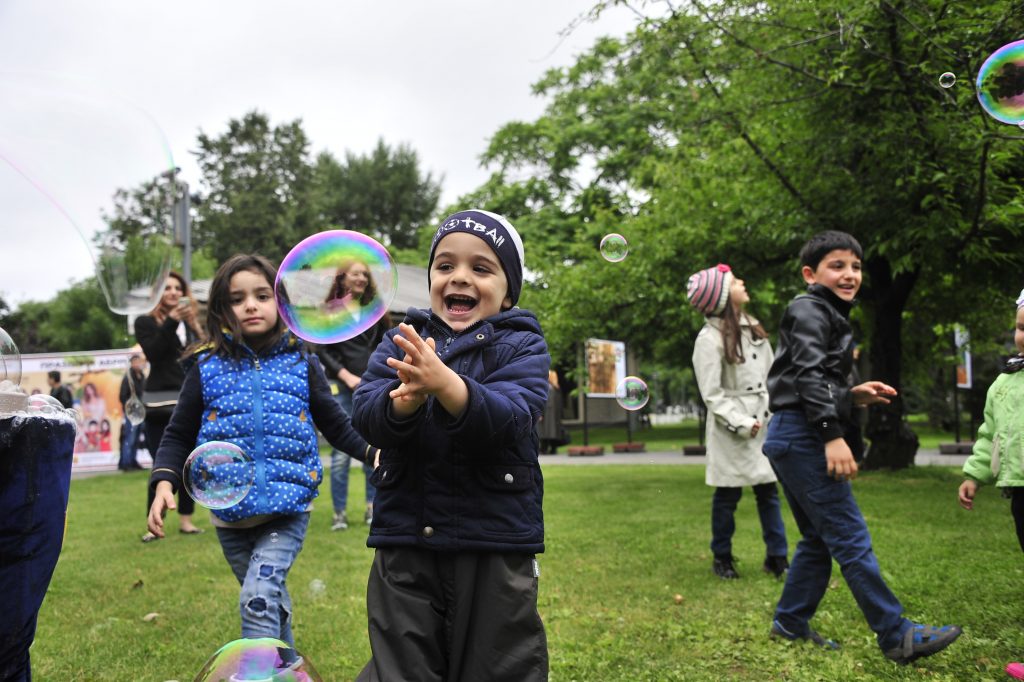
(340, 521)
(923, 640)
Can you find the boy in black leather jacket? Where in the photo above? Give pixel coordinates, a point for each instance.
(812, 403)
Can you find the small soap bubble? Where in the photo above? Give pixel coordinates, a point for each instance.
(10, 359)
(335, 285)
(46, 404)
(264, 659)
(134, 411)
(219, 475)
(632, 393)
(614, 247)
(317, 588)
(273, 537)
(947, 80)
(1001, 84)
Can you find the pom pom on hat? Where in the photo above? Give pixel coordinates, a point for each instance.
(708, 290)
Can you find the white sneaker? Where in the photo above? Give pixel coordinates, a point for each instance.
(340, 521)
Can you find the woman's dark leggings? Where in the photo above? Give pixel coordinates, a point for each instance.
(1017, 507)
(155, 426)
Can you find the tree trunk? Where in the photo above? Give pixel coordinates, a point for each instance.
(893, 443)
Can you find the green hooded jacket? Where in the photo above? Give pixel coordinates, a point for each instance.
(999, 449)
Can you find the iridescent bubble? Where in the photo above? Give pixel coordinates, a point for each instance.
(264, 659)
(334, 285)
(1001, 84)
(632, 393)
(219, 475)
(317, 588)
(47, 404)
(614, 247)
(10, 358)
(134, 411)
(947, 80)
(68, 148)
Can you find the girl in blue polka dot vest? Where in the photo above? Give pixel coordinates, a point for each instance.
(254, 386)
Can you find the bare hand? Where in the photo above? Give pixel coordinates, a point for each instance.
(421, 372)
(840, 463)
(966, 494)
(755, 428)
(162, 501)
(872, 393)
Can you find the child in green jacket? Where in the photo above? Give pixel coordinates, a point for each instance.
(999, 449)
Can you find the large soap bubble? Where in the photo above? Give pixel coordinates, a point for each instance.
(10, 359)
(219, 475)
(66, 149)
(1001, 84)
(632, 393)
(335, 285)
(264, 659)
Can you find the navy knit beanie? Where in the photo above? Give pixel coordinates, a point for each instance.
(498, 233)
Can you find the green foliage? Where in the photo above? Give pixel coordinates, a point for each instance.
(382, 194)
(621, 542)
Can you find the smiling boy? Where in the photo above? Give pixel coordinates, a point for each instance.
(453, 397)
(811, 402)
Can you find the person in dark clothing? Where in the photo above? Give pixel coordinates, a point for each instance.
(163, 334)
(344, 363)
(129, 431)
(58, 390)
(811, 402)
(453, 396)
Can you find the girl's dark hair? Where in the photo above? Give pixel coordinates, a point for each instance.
(819, 246)
(732, 334)
(221, 320)
(339, 289)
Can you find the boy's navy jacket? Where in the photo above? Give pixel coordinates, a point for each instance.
(812, 361)
(471, 483)
(267, 404)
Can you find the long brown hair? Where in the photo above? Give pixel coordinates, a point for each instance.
(158, 313)
(339, 288)
(732, 333)
(221, 320)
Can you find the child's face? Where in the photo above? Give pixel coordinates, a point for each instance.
(738, 295)
(1018, 332)
(253, 304)
(839, 270)
(467, 283)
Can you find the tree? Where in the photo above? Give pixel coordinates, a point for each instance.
(76, 319)
(382, 194)
(257, 180)
(731, 132)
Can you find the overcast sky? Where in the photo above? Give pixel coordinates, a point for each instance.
(440, 75)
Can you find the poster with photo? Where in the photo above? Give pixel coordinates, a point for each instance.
(606, 367)
(94, 380)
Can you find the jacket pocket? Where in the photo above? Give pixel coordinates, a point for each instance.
(509, 478)
(994, 464)
(773, 449)
(386, 475)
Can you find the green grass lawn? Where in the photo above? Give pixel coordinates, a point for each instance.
(621, 542)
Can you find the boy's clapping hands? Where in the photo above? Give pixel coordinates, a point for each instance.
(422, 373)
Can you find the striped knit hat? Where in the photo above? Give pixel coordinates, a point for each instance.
(708, 290)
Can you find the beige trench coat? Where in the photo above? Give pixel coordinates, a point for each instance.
(736, 397)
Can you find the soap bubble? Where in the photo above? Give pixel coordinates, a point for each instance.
(10, 359)
(334, 285)
(317, 588)
(47, 404)
(614, 247)
(1001, 84)
(947, 80)
(134, 411)
(264, 659)
(218, 474)
(632, 393)
(67, 149)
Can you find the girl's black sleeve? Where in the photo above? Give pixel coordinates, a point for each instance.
(331, 419)
(180, 435)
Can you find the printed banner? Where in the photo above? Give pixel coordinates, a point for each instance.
(606, 367)
(962, 340)
(94, 380)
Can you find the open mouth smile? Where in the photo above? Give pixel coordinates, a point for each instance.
(459, 305)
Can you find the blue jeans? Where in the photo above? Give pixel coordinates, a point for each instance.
(723, 522)
(260, 557)
(35, 477)
(340, 462)
(129, 444)
(832, 527)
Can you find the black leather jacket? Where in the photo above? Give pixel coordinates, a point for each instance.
(813, 359)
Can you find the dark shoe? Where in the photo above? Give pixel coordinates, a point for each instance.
(923, 640)
(776, 565)
(723, 567)
(778, 631)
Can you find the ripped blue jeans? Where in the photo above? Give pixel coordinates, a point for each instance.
(260, 557)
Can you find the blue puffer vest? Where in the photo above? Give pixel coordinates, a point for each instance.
(261, 404)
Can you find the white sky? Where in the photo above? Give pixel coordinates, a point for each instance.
(442, 76)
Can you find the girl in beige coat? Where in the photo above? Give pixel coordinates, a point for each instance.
(731, 358)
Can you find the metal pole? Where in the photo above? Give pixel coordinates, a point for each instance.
(184, 209)
(956, 408)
